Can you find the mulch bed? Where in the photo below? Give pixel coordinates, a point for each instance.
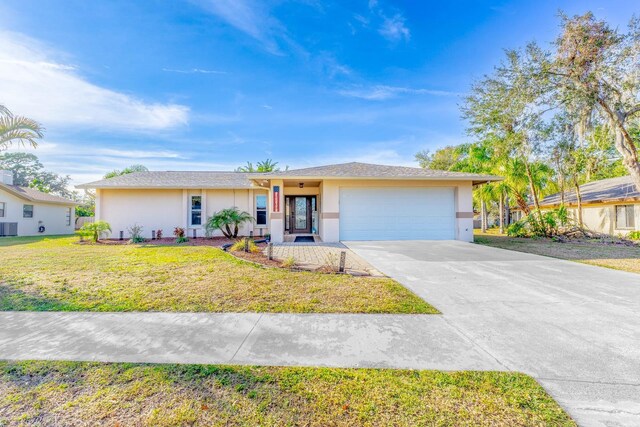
(171, 241)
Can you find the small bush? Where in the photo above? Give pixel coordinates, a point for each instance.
(541, 224)
(95, 230)
(634, 235)
(239, 247)
(289, 262)
(135, 231)
(159, 234)
(180, 232)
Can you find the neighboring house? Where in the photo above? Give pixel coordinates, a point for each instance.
(609, 206)
(28, 212)
(351, 201)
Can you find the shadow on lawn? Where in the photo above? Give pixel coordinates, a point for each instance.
(12, 299)
(25, 240)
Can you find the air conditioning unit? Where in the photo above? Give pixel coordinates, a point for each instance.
(8, 229)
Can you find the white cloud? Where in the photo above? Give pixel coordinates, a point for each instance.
(35, 83)
(383, 92)
(394, 28)
(248, 16)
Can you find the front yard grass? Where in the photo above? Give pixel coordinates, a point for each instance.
(594, 252)
(56, 274)
(77, 393)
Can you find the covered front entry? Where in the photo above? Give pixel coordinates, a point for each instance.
(301, 214)
(397, 213)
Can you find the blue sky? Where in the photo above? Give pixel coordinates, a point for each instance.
(211, 84)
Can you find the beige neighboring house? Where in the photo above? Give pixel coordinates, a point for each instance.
(28, 212)
(351, 201)
(610, 206)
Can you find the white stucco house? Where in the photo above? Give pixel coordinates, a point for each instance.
(28, 212)
(351, 201)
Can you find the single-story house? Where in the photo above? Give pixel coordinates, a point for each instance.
(609, 206)
(28, 212)
(351, 201)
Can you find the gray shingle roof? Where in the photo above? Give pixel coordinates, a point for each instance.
(34, 195)
(239, 180)
(367, 170)
(175, 179)
(612, 189)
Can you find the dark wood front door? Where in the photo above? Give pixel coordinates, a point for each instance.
(300, 213)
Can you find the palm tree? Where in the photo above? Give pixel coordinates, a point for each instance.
(228, 221)
(18, 129)
(263, 166)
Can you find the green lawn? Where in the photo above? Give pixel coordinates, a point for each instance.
(588, 251)
(43, 274)
(74, 393)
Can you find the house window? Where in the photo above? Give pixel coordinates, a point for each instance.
(2, 208)
(261, 210)
(196, 210)
(625, 218)
(27, 211)
(68, 216)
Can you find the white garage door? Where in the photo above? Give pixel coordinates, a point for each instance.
(397, 214)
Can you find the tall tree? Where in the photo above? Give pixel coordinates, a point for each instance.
(505, 109)
(267, 165)
(597, 71)
(442, 159)
(28, 171)
(127, 170)
(18, 129)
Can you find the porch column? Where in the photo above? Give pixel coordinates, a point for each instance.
(330, 212)
(276, 210)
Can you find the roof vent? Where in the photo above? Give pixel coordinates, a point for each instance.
(6, 177)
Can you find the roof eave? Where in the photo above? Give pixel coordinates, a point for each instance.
(157, 187)
(477, 178)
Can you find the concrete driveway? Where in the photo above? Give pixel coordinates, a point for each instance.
(574, 327)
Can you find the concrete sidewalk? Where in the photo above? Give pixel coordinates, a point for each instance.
(340, 340)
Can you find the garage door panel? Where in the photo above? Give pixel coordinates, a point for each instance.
(397, 213)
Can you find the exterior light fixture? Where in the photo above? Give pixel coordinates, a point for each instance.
(301, 185)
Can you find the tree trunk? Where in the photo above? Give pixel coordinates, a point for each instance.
(579, 201)
(507, 208)
(501, 207)
(483, 213)
(623, 142)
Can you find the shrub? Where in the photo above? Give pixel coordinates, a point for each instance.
(239, 247)
(634, 235)
(135, 231)
(158, 234)
(228, 221)
(517, 229)
(541, 224)
(179, 232)
(95, 230)
(289, 262)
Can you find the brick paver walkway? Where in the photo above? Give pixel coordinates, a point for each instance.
(316, 255)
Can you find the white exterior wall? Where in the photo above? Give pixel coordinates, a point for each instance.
(52, 216)
(152, 209)
(330, 206)
(162, 209)
(602, 218)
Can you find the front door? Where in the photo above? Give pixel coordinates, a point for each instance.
(300, 214)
